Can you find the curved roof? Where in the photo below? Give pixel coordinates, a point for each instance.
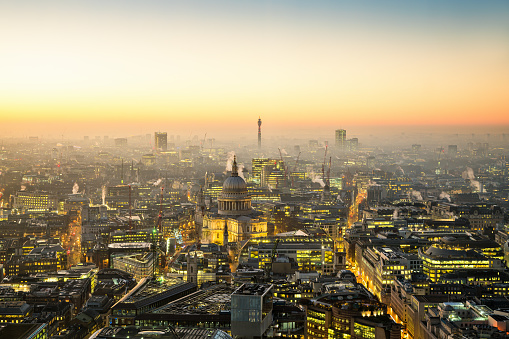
(234, 186)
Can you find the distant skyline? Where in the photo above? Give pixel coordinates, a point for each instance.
(90, 67)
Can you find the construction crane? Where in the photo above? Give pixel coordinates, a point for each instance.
(284, 167)
(325, 155)
(328, 172)
(296, 162)
(323, 165)
(323, 172)
(268, 266)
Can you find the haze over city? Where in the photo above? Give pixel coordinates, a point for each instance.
(254, 169)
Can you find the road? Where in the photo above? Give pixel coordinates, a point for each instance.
(72, 244)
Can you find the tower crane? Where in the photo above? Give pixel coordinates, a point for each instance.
(328, 172)
(284, 167)
(268, 266)
(323, 165)
(325, 155)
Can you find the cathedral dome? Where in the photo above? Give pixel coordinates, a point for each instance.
(234, 186)
(234, 198)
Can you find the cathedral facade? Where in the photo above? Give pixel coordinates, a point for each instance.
(235, 219)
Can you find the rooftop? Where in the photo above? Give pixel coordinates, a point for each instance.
(14, 307)
(129, 245)
(212, 300)
(19, 331)
(163, 333)
(148, 291)
(252, 289)
(436, 252)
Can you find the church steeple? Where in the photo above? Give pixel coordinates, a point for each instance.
(235, 170)
(225, 234)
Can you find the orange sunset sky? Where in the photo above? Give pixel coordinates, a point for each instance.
(125, 67)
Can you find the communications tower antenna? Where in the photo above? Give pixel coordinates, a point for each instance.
(259, 132)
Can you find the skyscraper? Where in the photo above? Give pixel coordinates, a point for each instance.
(161, 141)
(259, 132)
(340, 138)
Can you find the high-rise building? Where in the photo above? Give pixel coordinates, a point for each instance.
(452, 150)
(259, 132)
(161, 141)
(120, 142)
(353, 144)
(340, 138)
(258, 169)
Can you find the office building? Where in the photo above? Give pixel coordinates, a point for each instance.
(340, 138)
(439, 261)
(147, 295)
(308, 253)
(160, 333)
(379, 266)
(120, 142)
(39, 260)
(349, 311)
(267, 172)
(452, 150)
(139, 265)
(14, 311)
(161, 141)
(353, 144)
(206, 308)
(462, 320)
(24, 330)
(37, 201)
(251, 310)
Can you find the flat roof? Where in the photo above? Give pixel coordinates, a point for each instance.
(148, 289)
(123, 245)
(212, 300)
(252, 289)
(18, 331)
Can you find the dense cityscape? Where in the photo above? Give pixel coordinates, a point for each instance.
(172, 236)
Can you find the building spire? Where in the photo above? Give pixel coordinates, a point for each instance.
(225, 234)
(235, 171)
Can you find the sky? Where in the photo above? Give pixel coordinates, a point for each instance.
(123, 67)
